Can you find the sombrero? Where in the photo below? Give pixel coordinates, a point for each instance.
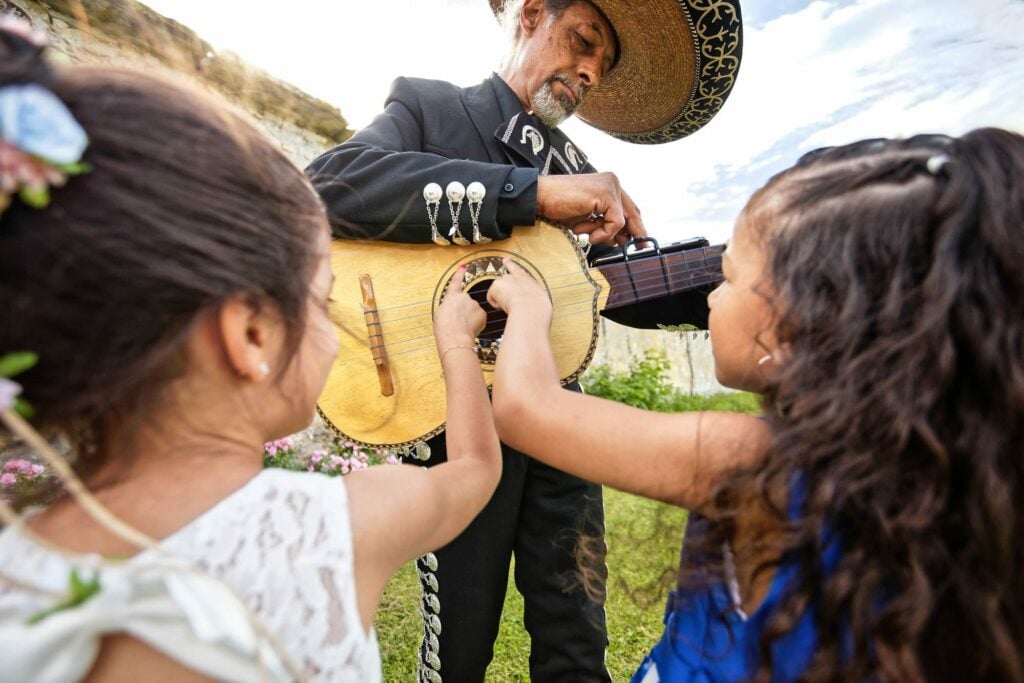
(678, 63)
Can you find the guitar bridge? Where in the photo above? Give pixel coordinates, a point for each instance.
(375, 331)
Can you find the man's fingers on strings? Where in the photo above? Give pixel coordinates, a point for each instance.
(585, 226)
(634, 222)
(600, 236)
(614, 221)
(635, 229)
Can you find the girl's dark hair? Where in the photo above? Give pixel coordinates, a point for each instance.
(896, 274)
(186, 205)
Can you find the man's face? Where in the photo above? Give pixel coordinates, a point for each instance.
(563, 58)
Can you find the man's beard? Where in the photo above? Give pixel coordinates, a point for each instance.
(552, 109)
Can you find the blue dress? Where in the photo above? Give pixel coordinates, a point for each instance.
(708, 640)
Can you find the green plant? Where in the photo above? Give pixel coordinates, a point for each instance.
(12, 364)
(636, 595)
(644, 385)
(647, 385)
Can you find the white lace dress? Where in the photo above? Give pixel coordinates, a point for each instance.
(282, 543)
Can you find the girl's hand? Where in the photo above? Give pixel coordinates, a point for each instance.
(459, 318)
(518, 290)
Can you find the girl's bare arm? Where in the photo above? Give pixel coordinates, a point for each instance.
(676, 458)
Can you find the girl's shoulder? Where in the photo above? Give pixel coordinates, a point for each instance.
(277, 486)
(281, 544)
(277, 512)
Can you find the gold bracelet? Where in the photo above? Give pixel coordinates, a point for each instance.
(474, 348)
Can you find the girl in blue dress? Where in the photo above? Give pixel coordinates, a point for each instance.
(868, 526)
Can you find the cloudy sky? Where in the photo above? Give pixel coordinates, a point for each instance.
(813, 74)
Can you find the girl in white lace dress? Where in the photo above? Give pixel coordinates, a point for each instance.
(176, 290)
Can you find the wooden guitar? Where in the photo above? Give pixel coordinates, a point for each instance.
(385, 388)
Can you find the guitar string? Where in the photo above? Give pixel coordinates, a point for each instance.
(657, 277)
(693, 282)
(677, 269)
(696, 262)
(643, 286)
(589, 296)
(563, 312)
(431, 347)
(565, 307)
(699, 254)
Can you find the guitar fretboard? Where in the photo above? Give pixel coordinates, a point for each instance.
(653, 276)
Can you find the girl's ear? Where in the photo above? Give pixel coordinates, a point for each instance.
(250, 337)
(769, 363)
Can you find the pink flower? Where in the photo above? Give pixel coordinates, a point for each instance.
(20, 170)
(345, 468)
(37, 470)
(316, 456)
(20, 27)
(18, 466)
(271, 449)
(8, 479)
(391, 460)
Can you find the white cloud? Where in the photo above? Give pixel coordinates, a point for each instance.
(831, 72)
(347, 53)
(829, 75)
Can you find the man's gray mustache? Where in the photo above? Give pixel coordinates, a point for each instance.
(578, 89)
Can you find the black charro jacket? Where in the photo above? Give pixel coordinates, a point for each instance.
(435, 132)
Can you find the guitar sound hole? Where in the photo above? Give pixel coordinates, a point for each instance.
(490, 336)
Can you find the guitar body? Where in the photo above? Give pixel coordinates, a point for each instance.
(385, 388)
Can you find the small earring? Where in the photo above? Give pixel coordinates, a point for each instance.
(264, 368)
(764, 359)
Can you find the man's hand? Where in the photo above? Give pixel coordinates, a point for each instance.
(592, 203)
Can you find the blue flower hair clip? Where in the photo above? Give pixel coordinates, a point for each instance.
(41, 144)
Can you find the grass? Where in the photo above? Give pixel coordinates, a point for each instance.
(737, 402)
(643, 539)
(643, 544)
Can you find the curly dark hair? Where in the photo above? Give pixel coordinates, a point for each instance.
(898, 288)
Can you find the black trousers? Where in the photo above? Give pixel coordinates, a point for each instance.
(539, 514)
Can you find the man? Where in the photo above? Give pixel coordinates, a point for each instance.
(497, 146)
